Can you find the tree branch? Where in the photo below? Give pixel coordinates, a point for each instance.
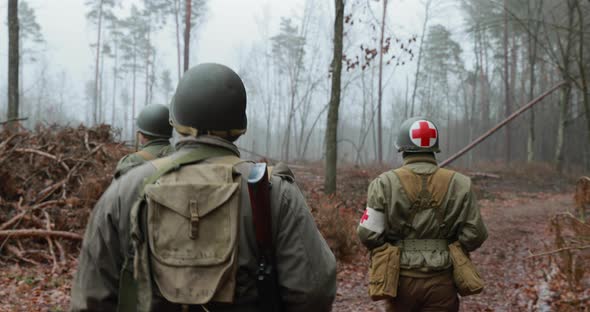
(40, 233)
(558, 250)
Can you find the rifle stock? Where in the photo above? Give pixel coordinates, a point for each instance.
(266, 275)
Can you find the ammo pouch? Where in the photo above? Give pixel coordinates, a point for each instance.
(186, 236)
(384, 272)
(465, 274)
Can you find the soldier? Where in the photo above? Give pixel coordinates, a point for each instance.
(422, 208)
(153, 132)
(190, 244)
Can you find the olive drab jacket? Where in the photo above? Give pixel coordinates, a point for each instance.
(305, 265)
(151, 150)
(389, 205)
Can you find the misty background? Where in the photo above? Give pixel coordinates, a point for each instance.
(283, 50)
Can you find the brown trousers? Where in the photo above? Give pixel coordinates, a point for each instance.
(429, 294)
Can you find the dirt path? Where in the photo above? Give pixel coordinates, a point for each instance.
(517, 225)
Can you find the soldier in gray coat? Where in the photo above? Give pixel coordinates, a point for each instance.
(209, 111)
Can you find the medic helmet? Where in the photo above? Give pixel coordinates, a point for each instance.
(417, 135)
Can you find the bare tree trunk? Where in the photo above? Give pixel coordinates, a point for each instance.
(147, 69)
(332, 126)
(134, 73)
(406, 103)
(513, 83)
(566, 91)
(13, 62)
(101, 104)
(507, 98)
(187, 32)
(426, 17)
(114, 104)
(532, 53)
(582, 67)
(268, 105)
(287, 140)
(152, 77)
(563, 112)
(380, 89)
(97, 69)
(176, 14)
(313, 125)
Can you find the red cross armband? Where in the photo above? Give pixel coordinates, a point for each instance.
(373, 220)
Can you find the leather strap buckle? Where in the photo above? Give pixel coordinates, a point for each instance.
(194, 219)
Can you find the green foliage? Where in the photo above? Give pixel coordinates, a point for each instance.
(134, 43)
(443, 53)
(289, 48)
(444, 68)
(29, 31)
(177, 7)
(96, 6)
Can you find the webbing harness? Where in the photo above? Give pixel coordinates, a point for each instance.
(423, 200)
(147, 156)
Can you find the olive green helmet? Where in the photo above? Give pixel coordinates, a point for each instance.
(210, 99)
(417, 135)
(154, 120)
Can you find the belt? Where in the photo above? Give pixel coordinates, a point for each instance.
(423, 244)
(420, 274)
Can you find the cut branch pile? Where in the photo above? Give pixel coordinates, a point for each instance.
(50, 179)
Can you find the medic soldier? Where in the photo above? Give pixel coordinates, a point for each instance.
(209, 113)
(422, 209)
(153, 134)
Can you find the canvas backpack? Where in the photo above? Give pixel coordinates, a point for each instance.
(184, 229)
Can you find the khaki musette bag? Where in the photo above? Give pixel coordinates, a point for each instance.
(186, 245)
(384, 272)
(467, 279)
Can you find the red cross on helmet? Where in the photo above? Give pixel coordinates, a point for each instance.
(417, 134)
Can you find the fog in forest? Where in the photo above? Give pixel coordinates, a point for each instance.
(466, 64)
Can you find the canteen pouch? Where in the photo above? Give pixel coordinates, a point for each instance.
(384, 272)
(465, 275)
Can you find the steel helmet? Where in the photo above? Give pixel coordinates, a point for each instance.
(210, 99)
(154, 120)
(416, 135)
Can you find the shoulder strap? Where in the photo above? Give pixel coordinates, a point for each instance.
(425, 191)
(410, 182)
(440, 183)
(145, 155)
(167, 164)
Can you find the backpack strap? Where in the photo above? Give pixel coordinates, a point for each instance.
(145, 155)
(425, 191)
(128, 291)
(167, 164)
(441, 181)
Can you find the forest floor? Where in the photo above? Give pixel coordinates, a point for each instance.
(517, 225)
(518, 206)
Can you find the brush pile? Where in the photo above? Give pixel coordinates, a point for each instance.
(50, 179)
